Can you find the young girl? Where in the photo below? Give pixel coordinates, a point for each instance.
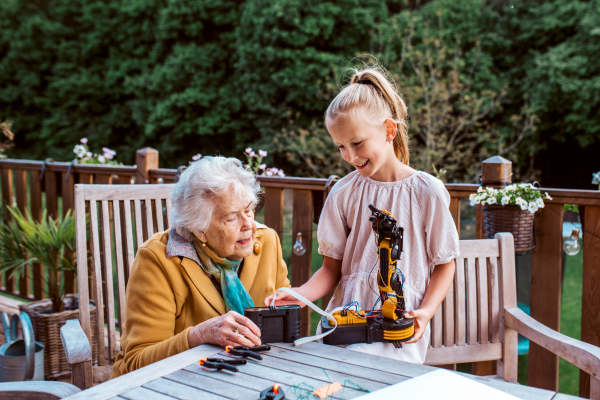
(368, 123)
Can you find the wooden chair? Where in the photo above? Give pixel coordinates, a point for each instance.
(116, 219)
(479, 319)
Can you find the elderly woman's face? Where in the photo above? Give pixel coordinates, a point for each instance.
(232, 228)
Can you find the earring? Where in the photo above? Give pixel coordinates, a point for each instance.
(389, 142)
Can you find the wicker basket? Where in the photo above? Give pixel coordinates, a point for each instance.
(511, 219)
(46, 329)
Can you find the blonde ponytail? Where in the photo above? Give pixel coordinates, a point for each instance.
(371, 94)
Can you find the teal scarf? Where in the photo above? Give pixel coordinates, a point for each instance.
(224, 271)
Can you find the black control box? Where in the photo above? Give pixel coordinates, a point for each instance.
(280, 324)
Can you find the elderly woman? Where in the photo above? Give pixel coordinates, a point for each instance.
(190, 285)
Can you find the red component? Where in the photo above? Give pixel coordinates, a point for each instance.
(276, 388)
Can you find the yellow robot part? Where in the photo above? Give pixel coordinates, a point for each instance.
(399, 335)
(352, 317)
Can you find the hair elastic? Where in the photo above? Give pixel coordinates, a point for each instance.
(364, 82)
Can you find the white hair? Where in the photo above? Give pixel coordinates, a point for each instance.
(200, 184)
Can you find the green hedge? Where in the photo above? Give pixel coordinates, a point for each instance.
(217, 76)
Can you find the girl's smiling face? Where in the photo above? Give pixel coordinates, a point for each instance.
(368, 148)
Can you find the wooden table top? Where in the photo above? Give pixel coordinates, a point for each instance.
(296, 369)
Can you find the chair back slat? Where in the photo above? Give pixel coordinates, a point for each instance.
(128, 236)
(448, 317)
(119, 255)
(168, 205)
(482, 301)
(160, 221)
(108, 280)
(471, 287)
(149, 219)
(139, 233)
(494, 297)
(117, 230)
(97, 273)
(460, 310)
(437, 328)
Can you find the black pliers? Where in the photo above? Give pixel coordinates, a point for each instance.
(245, 351)
(221, 363)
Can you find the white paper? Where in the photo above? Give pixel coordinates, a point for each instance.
(439, 384)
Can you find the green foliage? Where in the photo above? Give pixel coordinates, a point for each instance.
(23, 241)
(214, 76)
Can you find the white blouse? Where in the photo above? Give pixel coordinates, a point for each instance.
(420, 204)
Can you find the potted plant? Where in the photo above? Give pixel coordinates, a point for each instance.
(510, 210)
(50, 242)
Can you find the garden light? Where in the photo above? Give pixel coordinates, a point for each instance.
(571, 245)
(299, 248)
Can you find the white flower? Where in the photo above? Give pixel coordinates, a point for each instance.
(505, 200)
(476, 200)
(83, 140)
(199, 156)
(548, 196)
(262, 166)
(262, 153)
(540, 203)
(248, 150)
(480, 189)
(492, 200)
(101, 159)
(472, 196)
(596, 178)
(510, 188)
(533, 207)
(79, 150)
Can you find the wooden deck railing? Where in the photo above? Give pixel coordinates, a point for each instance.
(37, 185)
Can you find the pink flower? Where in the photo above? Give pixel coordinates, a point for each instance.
(280, 173)
(252, 154)
(262, 153)
(269, 173)
(249, 150)
(83, 140)
(262, 166)
(101, 159)
(197, 157)
(88, 154)
(108, 153)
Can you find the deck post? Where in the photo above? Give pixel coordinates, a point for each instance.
(145, 160)
(590, 304)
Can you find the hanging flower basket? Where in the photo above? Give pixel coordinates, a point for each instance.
(510, 210)
(509, 219)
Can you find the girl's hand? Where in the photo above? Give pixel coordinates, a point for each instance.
(231, 329)
(285, 299)
(421, 318)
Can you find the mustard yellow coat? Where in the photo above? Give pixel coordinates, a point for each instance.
(166, 297)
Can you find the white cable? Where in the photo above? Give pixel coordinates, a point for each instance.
(309, 303)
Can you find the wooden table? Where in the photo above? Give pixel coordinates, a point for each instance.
(309, 366)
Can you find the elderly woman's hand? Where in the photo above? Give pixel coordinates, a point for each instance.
(231, 329)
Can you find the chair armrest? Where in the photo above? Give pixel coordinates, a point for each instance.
(75, 342)
(583, 355)
(36, 390)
